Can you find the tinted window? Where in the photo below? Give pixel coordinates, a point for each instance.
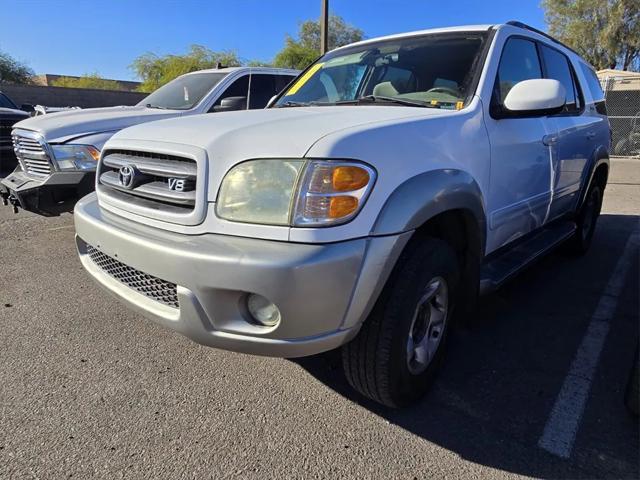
(282, 81)
(519, 62)
(184, 92)
(261, 90)
(557, 67)
(238, 88)
(593, 83)
(5, 102)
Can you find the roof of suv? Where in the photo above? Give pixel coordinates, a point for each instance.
(286, 71)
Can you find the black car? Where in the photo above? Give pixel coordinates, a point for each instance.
(9, 114)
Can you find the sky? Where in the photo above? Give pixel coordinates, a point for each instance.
(73, 37)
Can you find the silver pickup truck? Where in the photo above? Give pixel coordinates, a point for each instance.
(390, 184)
(58, 152)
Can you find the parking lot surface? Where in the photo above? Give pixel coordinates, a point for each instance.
(89, 389)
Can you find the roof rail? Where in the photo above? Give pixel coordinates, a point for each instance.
(515, 23)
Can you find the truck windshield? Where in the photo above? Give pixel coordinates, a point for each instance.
(5, 102)
(434, 70)
(184, 92)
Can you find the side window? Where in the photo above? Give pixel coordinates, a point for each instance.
(519, 62)
(239, 88)
(262, 88)
(557, 67)
(282, 81)
(593, 83)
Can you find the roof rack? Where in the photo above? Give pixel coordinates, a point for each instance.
(515, 23)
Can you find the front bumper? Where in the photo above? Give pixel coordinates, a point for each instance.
(46, 195)
(323, 291)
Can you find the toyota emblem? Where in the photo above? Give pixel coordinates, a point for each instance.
(126, 175)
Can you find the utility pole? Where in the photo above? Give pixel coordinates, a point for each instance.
(324, 27)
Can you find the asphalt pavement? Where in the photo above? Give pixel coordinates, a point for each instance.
(90, 390)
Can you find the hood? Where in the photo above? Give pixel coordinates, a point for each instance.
(63, 126)
(13, 113)
(285, 132)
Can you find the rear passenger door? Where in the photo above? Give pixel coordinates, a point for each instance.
(575, 133)
(520, 177)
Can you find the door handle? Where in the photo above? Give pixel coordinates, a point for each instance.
(591, 135)
(550, 139)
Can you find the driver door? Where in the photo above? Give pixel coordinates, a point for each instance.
(522, 153)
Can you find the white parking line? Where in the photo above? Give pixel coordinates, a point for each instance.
(562, 426)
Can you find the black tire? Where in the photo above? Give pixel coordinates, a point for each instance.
(586, 221)
(632, 394)
(376, 362)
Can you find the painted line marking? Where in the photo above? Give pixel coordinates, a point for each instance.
(564, 421)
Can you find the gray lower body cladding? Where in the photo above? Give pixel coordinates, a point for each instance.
(323, 291)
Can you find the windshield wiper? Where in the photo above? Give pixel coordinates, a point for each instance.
(293, 104)
(148, 105)
(399, 101)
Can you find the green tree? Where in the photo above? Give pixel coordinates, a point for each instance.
(88, 80)
(155, 71)
(14, 71)
(301, 52)
(605, 32)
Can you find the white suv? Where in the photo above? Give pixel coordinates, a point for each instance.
(391, 183)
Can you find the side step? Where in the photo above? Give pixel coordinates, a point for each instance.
(501, 268)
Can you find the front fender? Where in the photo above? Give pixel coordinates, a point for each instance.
(426, 195)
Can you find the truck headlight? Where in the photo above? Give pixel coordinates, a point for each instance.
(295, 192)
(75, 157)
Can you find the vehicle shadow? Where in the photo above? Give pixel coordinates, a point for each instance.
(503, 371)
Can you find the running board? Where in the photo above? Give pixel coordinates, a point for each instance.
(498, 270)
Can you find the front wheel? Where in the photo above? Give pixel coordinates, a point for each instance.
(400, 346)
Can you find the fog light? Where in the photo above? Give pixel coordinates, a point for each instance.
(262, 310)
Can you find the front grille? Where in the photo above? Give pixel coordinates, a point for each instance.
(161, 182)
(148, 285)
(31, 154)
(5, 132)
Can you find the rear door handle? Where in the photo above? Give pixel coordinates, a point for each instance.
(591, 135)
(550, 139)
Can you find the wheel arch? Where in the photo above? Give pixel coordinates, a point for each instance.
(598, 170)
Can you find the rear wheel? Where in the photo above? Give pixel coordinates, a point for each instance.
(400, 346)
(586, 221)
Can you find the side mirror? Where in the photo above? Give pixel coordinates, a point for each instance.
(231, 103)
(271, 101)
(540, 96)
(27, 107)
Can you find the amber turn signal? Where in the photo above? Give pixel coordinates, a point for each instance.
(349, 178)
(342, 205)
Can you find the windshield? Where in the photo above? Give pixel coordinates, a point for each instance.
(5, 102)
(433, 70)
(183, 92)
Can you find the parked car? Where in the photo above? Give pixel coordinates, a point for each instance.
(9, 115)
(58, 152)
(395, 180)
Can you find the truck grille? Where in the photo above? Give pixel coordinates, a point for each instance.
(5, 132)
(148, 285)
(161, 182)
(31, 153)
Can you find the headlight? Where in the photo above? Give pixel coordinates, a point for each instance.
(295, 192)
(75, 157)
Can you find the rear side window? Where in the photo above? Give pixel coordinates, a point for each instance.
(557, 67)
(592, 83)
(519, 62)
